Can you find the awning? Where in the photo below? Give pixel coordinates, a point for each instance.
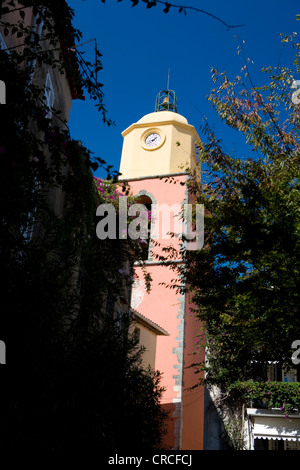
(272, 424)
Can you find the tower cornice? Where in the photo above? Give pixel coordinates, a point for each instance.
(162, 118)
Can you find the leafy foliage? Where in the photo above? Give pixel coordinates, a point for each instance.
(245, 280)
(73, 377)
(281, 395)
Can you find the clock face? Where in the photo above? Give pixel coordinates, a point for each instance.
(153, 139)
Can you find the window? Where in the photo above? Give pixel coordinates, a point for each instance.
(289, 375)
(137, 334)
(2, 352)
(274, 444)
(37, 28)
(27, 229)
(291, 445)
(272, 375)
(276, 373)
(283, 445)
(145, 245)
(110, 305)
(2, 92)
(38, 24)
(48, 96)
(3, 45)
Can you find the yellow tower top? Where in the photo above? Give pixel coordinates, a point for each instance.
(160, 143)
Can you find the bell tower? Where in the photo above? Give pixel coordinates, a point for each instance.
(160, 143)
(157, 159)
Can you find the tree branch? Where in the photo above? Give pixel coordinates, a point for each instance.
(183, 9)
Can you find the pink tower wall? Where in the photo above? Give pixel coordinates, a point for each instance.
(170, 310)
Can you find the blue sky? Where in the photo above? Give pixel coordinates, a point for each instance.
(140, 46)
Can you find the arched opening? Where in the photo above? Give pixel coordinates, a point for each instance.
(145, 245)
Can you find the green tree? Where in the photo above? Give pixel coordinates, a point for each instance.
(245, 280)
